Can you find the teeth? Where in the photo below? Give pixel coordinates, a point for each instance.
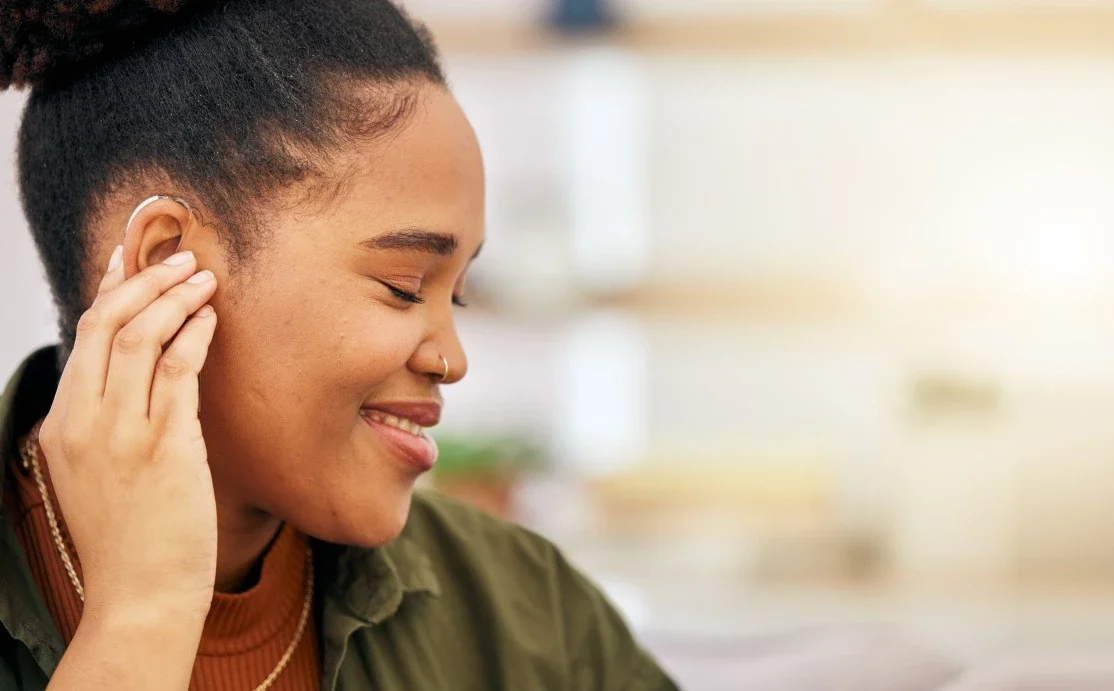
(400, 423)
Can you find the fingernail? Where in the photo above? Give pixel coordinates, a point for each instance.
(117, 258)
(178, 259)
(201, 277)
(204, 311)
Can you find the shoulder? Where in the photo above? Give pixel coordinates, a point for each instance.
(521, 584)
(499, 566)
(442, 524)
(431, 508)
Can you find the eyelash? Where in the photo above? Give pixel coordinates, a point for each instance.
(415, 299)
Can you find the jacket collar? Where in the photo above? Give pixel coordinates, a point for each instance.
(365, 588)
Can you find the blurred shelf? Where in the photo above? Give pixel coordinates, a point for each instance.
(820, 300)
(897, 27)
(792, 300)
(662, 500)
(787, 300)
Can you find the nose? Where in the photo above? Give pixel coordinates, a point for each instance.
(441, 356)
(455, 363)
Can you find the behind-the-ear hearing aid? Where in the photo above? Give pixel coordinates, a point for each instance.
(148, 200)
(143, 204)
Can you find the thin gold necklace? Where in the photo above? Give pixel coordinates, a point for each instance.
(30, 454)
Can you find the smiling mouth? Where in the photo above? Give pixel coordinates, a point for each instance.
(401, 423)
(406, 438)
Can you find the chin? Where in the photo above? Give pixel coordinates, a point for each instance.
(368, 521)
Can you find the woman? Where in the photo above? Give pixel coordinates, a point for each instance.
(257, 217)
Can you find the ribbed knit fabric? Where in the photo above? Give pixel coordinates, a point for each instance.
(245, 634)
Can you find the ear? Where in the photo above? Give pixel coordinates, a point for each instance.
(157, 229)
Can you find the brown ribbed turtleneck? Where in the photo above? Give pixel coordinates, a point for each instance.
(245, 634)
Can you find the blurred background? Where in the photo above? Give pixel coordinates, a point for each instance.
(792, 312)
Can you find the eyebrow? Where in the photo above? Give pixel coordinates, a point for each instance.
(415, 240)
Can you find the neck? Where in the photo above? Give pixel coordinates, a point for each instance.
(243, 536)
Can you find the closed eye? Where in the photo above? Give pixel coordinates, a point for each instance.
(414, 298)
(404, 295)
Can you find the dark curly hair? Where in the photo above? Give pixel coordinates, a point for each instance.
(226, 101)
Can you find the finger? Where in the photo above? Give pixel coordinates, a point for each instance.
(114, 275)
(174, 394)
(97, 328)
(62, 392)
(139, 344)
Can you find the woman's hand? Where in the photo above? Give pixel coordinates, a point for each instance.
(124, 446)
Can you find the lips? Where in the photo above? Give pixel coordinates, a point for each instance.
(401, 427)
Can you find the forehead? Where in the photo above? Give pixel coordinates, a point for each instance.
(427, 173)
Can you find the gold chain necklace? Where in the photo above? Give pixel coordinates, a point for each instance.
(30, 454)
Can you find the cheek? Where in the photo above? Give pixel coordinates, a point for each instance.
(364, 353)
(318, 349)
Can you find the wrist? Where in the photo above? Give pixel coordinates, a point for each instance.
(133, 646)
(146, 614)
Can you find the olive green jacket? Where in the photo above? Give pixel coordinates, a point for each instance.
(459, 601)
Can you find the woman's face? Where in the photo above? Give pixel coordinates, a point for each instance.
(316, 345)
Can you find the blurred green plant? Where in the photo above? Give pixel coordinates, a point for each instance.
(488, 456)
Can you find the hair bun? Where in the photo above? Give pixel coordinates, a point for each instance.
(43, 38)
